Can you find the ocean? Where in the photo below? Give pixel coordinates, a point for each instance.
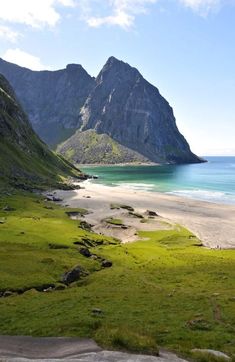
(212, 181)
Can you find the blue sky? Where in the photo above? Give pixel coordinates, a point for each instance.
(184, 47)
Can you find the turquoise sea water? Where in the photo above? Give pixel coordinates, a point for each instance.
(212, 181)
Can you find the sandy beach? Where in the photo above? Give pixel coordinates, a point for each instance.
(213, 224)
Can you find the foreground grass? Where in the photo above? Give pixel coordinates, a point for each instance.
(164, 290)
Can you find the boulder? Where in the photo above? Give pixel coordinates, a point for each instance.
(106, 263)
(85, 252)
(151, 213)
(72, 275)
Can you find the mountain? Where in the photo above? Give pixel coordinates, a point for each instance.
(51, 99)
(25, 160)
(119, 103)
(127, 108)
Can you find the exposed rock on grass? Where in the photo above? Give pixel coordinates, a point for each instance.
(106, 263)
(73, 275)
(85, 225)
(85, 252)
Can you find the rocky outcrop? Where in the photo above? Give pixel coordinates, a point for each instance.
(51, 99)
(24, 158)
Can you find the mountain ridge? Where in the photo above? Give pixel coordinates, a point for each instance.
(118, 103)
(51, 99)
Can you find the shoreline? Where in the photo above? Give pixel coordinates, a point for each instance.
(212, 223)
(93, 165)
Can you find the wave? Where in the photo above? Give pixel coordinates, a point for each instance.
(136, 186)
(206, 195)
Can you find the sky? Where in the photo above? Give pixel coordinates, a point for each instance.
(186, 48)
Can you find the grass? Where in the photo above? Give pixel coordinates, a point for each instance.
(113, 221)
(162, 291)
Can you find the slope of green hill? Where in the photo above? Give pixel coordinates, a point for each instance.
(25, 160)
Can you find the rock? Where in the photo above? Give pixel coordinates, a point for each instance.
(45, 287)
(85, 252)
(57, 199)
(151, 213)
(8, 293)
(212, 352)
(73, 275)
(8, 208)
(60, 287)
(199, 324)
(127, 207)
(53, 198)
(85, 226)
(74, 214)
(106, 263)
(97, 311)
(136, 214)
(2, 221)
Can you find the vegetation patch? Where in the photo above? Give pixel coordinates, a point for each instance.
(112, 221)
(121, 206)
(126, 339)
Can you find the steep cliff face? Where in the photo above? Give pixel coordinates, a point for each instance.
(51, 99)
(126, 107)
(24, 158)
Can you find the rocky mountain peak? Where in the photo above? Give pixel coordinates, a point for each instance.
(76, 69)
(118, 70)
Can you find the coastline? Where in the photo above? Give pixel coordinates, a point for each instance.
(213, 224)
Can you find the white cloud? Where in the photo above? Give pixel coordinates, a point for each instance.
(202, 6)
(24, 59)
(7, 33)
(123, 13)
(37, 13)
(120, 12)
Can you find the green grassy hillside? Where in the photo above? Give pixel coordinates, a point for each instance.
(24, 158)
(164, 291)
